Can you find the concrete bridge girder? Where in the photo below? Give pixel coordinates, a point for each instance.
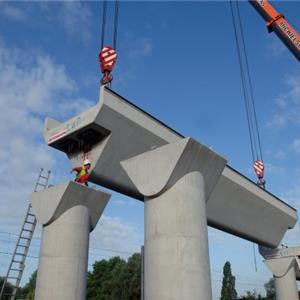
(184, 185)
(118, 130)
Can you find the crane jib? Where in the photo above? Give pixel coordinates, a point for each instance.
(289, 32)
(277, 23)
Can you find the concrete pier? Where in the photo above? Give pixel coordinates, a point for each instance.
(176, 181)
(284, 272)
(68, 213)
(284, 264)
(286, 286)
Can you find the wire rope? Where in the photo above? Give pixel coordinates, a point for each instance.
(247, 86)
(103, 25)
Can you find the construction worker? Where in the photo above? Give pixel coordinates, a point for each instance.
(82, 175)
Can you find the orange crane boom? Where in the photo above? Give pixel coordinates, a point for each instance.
(276, 22)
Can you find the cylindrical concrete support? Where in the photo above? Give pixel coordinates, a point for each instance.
(68, 213)
(286, 285)
(176, 181)
(283, 263)
(64, 256)
(176, 242)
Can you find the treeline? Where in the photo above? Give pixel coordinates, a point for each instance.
(228, 291)
(113, 279)
(27, 292)
(119, 279)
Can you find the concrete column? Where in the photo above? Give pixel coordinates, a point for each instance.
(176, 181)
(284, 273)
(176, 243)
(68, 213)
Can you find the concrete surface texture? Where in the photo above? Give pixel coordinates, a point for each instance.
(117, 130)
(68, 213)
(284, 272)
(242, 208)
(283, 251)
(176, 180)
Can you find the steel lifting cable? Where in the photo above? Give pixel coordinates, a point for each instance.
(116, 23)
(104, 13)
(242, 78)
(254, 135)
(250, 85)
(103, 25)
(108, 54)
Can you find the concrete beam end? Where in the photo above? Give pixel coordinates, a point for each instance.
(156, 170)
(52, 202)
(280, 266)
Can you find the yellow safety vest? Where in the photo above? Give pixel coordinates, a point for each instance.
(82, 172)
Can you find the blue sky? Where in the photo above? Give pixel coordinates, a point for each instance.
(177, 60)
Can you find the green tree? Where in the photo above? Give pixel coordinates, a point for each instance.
(270, 289)
(228, 291)
(7, 290)
(250, 296)
(27, 292)
(100, 284)
(115, 279)
(133, 272)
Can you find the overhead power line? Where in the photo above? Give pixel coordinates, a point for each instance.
(91, 248)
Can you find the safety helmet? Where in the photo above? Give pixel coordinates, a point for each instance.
(86, 162)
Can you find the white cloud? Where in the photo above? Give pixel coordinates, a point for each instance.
(280, 102)
(274, 169)
(76, 18)
(274, 46)
(278, 120)
(280, 154)
(120, 202)
(29, 89)
(296, 145)
(293, 83)
(134, 56)
(146, 47)
(142, 47)
(287, 104)
(292, 197)
(115, 235)
(13, 12)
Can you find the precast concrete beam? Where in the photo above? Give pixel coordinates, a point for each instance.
(284, 272)
(238, 206)
(115, 130)
(68, 213)
(176, 181)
